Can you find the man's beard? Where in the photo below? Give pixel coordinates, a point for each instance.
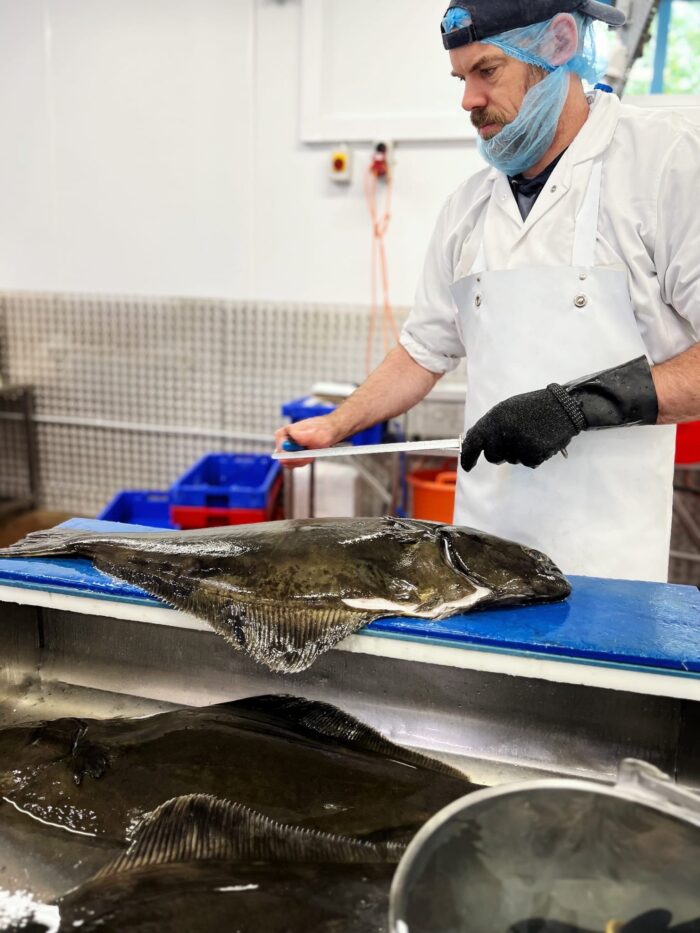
(483, 117)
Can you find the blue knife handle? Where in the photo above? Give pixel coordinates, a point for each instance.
(291, 446)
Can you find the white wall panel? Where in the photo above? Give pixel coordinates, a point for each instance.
(375, 67)
(146, 131)
(153, 147)
(25, 152)
(312, 237)
(152, 111)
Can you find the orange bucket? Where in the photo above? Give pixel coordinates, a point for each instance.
(433, 494)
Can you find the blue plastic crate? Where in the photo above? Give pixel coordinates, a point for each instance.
(229, 481)
(139, 507)
(310, 407)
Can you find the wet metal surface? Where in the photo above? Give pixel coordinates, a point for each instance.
(495, 727)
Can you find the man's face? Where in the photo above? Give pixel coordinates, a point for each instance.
(494, 85)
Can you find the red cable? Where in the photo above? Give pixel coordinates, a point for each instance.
(380, 226)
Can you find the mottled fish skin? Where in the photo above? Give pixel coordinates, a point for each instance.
(285, 592)
(298, 761)
(200, 863)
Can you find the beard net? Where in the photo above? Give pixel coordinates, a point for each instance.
(521, 144)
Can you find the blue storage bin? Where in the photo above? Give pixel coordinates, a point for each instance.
(310, 407)
(229, 481)
(139, 507)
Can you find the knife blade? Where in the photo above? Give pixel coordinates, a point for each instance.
(292, 451)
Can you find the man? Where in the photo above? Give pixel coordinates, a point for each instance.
(577, 253)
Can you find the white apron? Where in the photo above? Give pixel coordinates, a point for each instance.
(606, 510)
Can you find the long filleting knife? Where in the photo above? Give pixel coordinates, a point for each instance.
(292, 451)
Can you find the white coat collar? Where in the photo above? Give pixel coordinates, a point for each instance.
(593, 138)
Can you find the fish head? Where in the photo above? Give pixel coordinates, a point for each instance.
(511, 572)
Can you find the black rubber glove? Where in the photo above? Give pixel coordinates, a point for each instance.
(533, 427)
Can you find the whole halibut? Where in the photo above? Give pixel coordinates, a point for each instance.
(303, 762)
(285, 592)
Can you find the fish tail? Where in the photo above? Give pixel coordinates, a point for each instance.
(53, 541)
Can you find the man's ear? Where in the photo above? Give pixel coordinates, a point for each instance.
(562, 39)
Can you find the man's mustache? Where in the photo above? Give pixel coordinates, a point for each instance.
(481, 118)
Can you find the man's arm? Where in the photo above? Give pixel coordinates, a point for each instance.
(677, 384)
(396, 385)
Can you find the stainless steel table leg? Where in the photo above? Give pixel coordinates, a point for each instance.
(312, 489)
(288, 492)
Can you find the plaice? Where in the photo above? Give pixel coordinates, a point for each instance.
(349, 450)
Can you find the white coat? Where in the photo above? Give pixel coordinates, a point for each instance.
(654, 245)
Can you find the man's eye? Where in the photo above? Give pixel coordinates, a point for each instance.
(488, 72)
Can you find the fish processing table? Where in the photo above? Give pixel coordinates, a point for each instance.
(612, 671)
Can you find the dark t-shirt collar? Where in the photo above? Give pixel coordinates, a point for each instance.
(527, 190)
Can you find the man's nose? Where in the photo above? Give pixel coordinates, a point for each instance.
(473, 98)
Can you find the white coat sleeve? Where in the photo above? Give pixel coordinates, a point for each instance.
(431, 335)
(677, 248)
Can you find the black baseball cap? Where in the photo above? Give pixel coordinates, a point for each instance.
(484, 18)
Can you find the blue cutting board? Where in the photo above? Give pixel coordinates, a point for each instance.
(613, 622)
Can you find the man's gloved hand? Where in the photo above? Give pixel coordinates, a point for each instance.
(533, 427)
(527, 429)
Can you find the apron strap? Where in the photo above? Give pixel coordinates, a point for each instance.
(586, 230)
(480, 261)
(479, 264)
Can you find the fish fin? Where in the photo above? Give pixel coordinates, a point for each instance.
(198, 827)
(170, 587)
(289, 640)
(45, 543)
(284, 639)
(330, 722)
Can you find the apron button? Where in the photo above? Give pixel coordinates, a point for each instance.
(477, 301)
(553, 189)
(580, 301)
(583, 276)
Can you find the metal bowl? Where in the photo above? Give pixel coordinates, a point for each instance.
(557, 856)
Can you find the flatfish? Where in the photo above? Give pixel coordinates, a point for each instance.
(200, 863)
(299, 761)
(285, 592)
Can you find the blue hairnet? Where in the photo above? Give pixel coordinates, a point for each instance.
(533, 45)
(521, 144)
